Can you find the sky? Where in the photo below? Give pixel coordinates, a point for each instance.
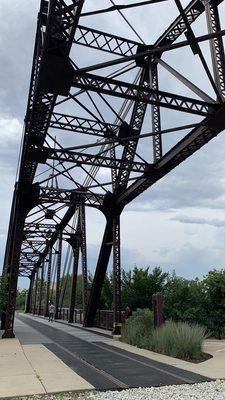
(179, 223)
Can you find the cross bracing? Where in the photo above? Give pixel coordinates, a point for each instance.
(98, 133)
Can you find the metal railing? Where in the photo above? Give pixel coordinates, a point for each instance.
(103, 319)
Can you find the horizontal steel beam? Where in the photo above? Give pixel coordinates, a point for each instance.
(79, 159)
(54, 195)
(104, 41)
(133, 92)
(82, 125)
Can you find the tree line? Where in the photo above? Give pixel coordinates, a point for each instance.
(200, 301)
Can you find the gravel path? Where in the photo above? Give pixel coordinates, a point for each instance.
(198, 391)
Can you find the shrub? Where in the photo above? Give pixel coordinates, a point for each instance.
(179, 339)
(3, 291)
(138, 328)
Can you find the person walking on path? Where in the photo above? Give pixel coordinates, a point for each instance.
(51, 315)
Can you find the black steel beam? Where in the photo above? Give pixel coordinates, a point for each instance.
(113, 87)
(82, 125)
(104, 41)
(101, 268)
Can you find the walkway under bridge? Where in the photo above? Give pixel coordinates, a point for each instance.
(108, 116)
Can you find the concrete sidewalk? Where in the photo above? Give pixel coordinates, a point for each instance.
(33, 369)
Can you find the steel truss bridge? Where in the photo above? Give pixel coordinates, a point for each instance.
(87, 136)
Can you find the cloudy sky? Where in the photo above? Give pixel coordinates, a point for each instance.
(177, 224)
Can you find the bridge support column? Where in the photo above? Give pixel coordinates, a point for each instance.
(58, 276)
(26, 197)
(48, 283)
(40, 309)
(117, 275)
(35, 292)
(84, 256)
(75, 244)
(100, 272)
(29, 295)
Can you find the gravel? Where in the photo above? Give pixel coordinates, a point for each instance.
(199, 391)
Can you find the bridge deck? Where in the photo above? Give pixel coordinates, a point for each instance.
(95, 359)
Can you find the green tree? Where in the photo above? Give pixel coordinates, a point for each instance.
(66, 285)
(21, 299)
(214, 300)
(106, 301)
(139, 285)
(183, 299)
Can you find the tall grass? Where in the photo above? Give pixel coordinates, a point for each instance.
(178, 339)
(137, 329)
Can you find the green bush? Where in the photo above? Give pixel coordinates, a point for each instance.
(138, 328)
(3, 291)
(179, 339)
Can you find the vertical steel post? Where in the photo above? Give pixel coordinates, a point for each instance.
(100, 272)
(156, 122)
(25, 199)
(216, 45)
(113, 169)
(29, 295)
(40, 310)
(116, 275)
(58, 275)
(48, 283)
(76, 249)
(14, 273)
(84, 256)
(35, 291)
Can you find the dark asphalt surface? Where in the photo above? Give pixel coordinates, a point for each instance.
(105, 366)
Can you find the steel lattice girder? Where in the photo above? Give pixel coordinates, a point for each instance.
(54, 74)
(144, 94)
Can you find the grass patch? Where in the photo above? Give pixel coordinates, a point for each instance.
(176, 339)
(179, 339)
(138, 328)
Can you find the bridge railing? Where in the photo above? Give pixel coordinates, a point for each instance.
(103, 319)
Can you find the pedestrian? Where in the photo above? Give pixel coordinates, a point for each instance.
(128, 312)
(51, 315)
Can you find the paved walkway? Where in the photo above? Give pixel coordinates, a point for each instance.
(98, 361)
(33, 369)
(53, 357)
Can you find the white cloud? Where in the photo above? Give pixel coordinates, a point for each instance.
(10, 131)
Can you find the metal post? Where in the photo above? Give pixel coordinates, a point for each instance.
(156, 123)
(40, 311)
(58, 275)
(48, 283)
(216, 45)
(25, 199)
(157, 306)
(76, 248)
(35, 291)
(100, 272)
(14, 272)
(29, 296)
(84, 256)
(116, 275)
